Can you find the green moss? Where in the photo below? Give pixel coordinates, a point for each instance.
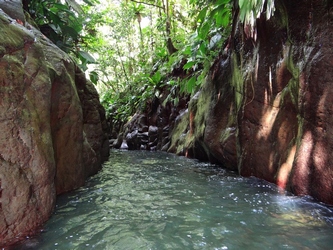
(226, 133)
(281, 13)
(179, 134)
(293, 84)
(199, 107)
(182, 137)
(13, 36)
(296, 65)
(2, 51)
(237, 83)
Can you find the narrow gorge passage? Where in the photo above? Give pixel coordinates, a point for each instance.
(156, 200)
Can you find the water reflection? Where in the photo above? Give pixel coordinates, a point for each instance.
(144, 200)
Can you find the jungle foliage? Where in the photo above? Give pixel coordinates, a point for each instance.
(157, 47)
(66, 23)
(136, 50)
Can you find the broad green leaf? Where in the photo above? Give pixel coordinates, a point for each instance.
(55, 28)
(157, 77)
(190, 86)
(189, 65)
(176, 101)
(202, 15)
(241, 3)
(56, 7)
(87, 57)
(203, 49)
(223, 2)
(55, 19)
(90, 3)
(203, 32)
(75, 6)
(93, 77)
(187, 50)
(67, 30)
(222, 18)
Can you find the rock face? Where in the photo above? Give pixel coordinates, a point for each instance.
(53, 129)
(265, 109)
(150, 130)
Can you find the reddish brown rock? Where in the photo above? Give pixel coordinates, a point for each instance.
(266, 107)
(52, 128)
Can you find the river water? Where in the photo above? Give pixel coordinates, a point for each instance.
(155, 200)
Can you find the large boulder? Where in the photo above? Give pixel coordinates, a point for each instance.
(53, 128)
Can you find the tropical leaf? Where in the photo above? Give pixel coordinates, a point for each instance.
(69, 31)
(157, 77)
(202, 15)
(75, 6)
(189, 65)
(86, 57)
(203, 31)
(190, 86)
(93, 75)
(90, 2)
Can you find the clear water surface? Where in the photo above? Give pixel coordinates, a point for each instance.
(154, 200)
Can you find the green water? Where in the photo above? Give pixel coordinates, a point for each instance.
(145, 200)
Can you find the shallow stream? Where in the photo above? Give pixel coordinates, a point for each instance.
(154, 200)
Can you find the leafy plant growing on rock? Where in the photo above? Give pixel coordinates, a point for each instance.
(64, 23)
(143, 48)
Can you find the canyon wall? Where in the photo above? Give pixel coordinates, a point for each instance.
(53, 128)
(265, 108)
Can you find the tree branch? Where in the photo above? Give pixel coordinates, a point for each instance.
(151, 4)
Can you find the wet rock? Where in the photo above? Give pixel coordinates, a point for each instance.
(124, 145)
(152, 134)
(133, 140)
(14, 9)
(118, 142)
(265, 109)
(53, 130)
(154, 124)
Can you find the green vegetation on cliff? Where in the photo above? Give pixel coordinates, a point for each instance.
(137, 50)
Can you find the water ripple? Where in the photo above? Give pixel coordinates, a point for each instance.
(143, 200)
